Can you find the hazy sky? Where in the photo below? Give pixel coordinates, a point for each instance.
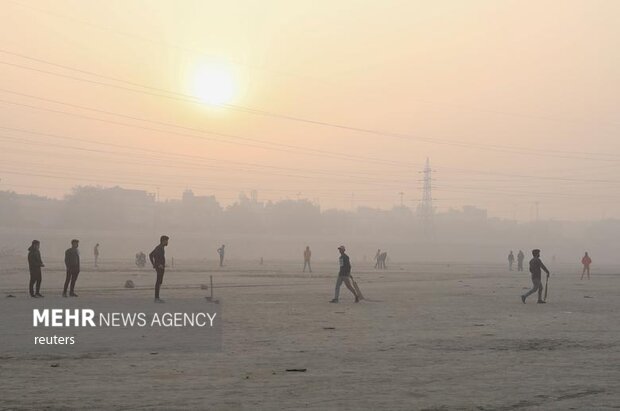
(340, 102)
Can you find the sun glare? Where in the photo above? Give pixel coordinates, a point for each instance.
(214, 84)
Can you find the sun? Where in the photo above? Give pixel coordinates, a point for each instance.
(214, 84)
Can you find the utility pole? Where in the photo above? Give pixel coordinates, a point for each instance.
(425, 208)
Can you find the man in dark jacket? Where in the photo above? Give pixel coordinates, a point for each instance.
(536, 265)
(72, 262)
(158, 259)
(35, 264)
(344, 275)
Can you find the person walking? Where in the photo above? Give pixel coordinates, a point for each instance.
(307, 256)
(158, 259)
(520, 258)
(96, 253)
(344, 276)
(511, 260)
(536, 268)
(72, 263)
(221, 252)
(35, 264)
(586, 261)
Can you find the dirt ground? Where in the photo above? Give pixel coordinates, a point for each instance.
(428, 337)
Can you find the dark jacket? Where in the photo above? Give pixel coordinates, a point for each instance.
(34, 259)
(158, 256)
(536, 265)
(345, 265)
(72, 260)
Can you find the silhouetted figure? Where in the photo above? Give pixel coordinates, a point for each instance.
(382, 260)
(511, 260)
(536, 265)
(307, 256)
(34, 264)
(158, 259)
(72, 262)
(586, 261)
(140, 259)
(520, 258)
(344, 275)
(96, 253)
(377, 258)
(221, 252)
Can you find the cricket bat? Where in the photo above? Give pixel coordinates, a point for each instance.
(357, 289)
(546, 288)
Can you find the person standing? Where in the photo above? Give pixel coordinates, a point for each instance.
(307, 256)
(377, 258)
(158, 259)
(344, 275)
(140, 259)
(536, 265)
(35, 264)
(586, 261)
(221, 252)
(96, 253)
(520, 258)
(511, 260)
(382, 260)
(72, 263)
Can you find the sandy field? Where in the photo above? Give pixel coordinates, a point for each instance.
(429, 337)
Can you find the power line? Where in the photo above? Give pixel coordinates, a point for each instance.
(149, 183)
(160, 180)
(191, 50)
(329, 173)
(234, 136)
(460, 170)
(193, 100)
(182, 48)
(285, 147)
